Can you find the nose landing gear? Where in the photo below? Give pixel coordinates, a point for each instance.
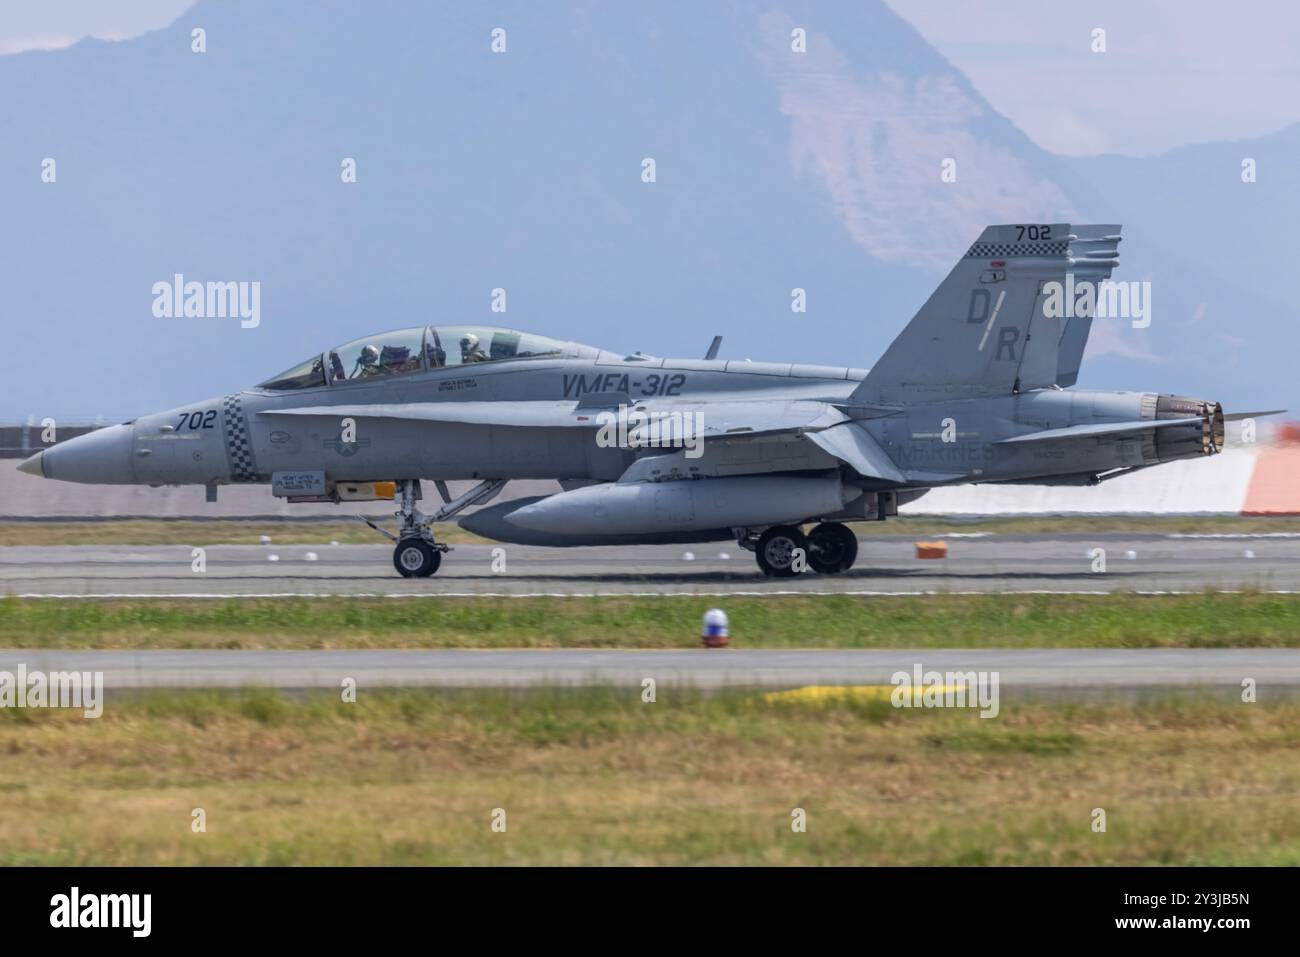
(417, 558)
(417, 554)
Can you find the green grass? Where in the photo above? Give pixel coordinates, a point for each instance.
(1209, 620)
(596, 776)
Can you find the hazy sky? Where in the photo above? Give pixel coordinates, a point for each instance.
(1174, 71)
(53, 24)
(778, 172)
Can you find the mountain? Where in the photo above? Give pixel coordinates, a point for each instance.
(1194, 199)
(522, 170)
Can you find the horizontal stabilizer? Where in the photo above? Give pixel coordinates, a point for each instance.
(852, 444)
(1238, 416)
(1100, 429)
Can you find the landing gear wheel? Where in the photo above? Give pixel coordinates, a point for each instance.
(415, 558)
(832, 548)
(776, 550)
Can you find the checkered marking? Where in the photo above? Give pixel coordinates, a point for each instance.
(238, 447)
(1013, 250)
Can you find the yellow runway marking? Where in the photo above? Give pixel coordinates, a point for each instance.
(830, 694)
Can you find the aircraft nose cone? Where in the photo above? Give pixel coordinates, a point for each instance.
(32, 466)
(100, 457)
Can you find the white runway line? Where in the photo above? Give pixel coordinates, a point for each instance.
(653, 594)
(1232, 535)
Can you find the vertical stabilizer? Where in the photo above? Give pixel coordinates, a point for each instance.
(985, 330)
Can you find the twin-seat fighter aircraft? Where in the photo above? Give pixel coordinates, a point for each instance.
(646, 450)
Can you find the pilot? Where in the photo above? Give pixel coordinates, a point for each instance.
(470, 350)
(367, 363)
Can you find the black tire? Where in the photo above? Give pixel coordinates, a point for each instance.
(775, 551)
(832, 548)
(415, 558)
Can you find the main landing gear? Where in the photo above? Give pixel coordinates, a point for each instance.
(784, 551)
(417, 555)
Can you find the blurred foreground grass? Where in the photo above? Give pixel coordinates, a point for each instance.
(596, 776)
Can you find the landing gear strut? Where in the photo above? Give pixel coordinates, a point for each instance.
(417, 555)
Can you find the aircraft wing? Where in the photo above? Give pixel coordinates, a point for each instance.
(738, 420)
(721, 419)
(732, 422)
(525, 414)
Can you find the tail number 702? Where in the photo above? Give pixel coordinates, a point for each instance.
(197, 420)
(1033, 233)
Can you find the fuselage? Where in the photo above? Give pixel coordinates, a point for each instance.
(978, 387)
(226, 439)
(233, 439)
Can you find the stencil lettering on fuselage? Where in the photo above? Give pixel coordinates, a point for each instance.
(651, 384)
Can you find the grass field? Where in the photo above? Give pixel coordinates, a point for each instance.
(352, 532)
(1210, 620)
(599, 777)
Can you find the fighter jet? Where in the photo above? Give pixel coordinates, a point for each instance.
(976, 389)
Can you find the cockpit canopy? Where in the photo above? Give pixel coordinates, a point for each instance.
(413, 350)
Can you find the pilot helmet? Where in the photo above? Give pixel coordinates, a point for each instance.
(469, 342)
(369, 355)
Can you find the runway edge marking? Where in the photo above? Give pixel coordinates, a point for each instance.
(646, 594)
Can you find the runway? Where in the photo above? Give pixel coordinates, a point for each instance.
(1018, 669)
(886, 565)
